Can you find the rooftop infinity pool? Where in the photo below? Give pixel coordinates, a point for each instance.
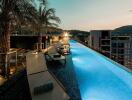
(99, 78)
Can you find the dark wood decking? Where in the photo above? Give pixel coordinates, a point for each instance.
(16, 88)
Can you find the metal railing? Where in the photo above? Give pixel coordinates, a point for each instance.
(11, 61)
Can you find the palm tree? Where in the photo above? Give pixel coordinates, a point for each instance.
(47, 18)
(12, 13)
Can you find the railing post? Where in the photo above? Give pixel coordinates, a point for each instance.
(6, 65)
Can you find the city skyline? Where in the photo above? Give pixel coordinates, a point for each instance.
(93, 14)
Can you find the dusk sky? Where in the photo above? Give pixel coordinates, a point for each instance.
(93, 14)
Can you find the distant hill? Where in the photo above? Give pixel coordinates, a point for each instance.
(123, 30)
(78, 32)
(28, 31)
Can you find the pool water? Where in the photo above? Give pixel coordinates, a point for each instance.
(98, 77)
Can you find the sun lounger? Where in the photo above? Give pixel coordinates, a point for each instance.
(57, 57)
(43, 86)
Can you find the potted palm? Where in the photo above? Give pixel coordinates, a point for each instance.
(47, 18)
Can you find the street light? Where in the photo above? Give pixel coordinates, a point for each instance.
(66, 34)
(65, 37)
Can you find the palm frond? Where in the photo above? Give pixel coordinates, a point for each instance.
(55, 18)
(43, 2)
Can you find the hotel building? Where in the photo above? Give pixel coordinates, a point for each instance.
(115, 44)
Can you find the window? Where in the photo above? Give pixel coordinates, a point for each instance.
(114, 45)
(114, 51)
(121, 45)
(121, 51)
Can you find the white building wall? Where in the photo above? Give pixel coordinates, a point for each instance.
(94, 39)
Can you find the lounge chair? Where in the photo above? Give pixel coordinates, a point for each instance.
(57, 57)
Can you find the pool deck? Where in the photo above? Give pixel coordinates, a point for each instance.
(87, 75)
(38, 75)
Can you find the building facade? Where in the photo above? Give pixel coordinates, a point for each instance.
(100, 40)
(121, 43)
(115, 44)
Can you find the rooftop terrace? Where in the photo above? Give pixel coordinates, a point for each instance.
(87, 75)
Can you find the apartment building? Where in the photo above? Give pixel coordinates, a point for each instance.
(115, 44)
(100, 40)
(121, 43)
